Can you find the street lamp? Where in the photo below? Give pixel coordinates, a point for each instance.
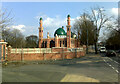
(95, 36)
(87, 41)
(87, 37)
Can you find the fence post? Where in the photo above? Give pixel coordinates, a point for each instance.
(63, 53)
(27, 50)
(5, 53)
(2, 52)
(75, 52)
(22, 55)
(9, 52)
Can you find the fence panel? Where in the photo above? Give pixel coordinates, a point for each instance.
(31, 50)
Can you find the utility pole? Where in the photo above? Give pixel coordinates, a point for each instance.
(96, 35)
(87, 35)
(87, 41)
(86, 32)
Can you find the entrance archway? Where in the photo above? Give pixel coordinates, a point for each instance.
(52, 43)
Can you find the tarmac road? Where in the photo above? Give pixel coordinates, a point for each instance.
(91, 68)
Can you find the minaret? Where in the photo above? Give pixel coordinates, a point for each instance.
(62, 27)
(68, 32)
(40, 33)
(48, 40)
(48, 35)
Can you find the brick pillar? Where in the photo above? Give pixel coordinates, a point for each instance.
(78, 42)
(9, 52)
(84, 47)
(68, 32)
(62, 43)
(48, 43)
(56, 41)
(2, 52)
(5, 53)
(3, 49)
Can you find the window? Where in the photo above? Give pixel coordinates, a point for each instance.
(60, 43)
(68, 29)
(63, 43)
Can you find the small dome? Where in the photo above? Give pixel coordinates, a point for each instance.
(60, 32)
(40, 18)
(68, 16)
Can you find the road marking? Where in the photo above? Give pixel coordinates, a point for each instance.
(117, 71)
(112, 60)
(111, 66)
(78, 78)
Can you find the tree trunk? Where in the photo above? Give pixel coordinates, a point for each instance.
(96, 52)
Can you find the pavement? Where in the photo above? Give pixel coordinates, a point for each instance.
(90, 68)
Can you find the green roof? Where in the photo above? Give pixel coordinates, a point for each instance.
(59, 32)
(40, 18)
(68, 16)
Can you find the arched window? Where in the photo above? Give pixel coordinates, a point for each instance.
(63, 43)
(60, 43)
(43, 44)
(68, 29)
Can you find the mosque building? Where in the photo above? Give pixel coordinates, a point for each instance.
(61, 38)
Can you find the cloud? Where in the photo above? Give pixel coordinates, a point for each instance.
(19, 27)
(114, 11)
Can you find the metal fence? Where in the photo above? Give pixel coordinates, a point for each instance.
(40, 50)
(31, 50)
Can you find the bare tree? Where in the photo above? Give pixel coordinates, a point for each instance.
(114, 25)
(14, 38)
(100, 19)
(82, 26)
(32, 41)
(5, 20)
(113, 41)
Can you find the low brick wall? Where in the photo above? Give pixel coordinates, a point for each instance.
(56, 53)
(59, 49)
(44, 56)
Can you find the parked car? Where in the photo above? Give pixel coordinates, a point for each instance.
(102, 49)
(111, 53)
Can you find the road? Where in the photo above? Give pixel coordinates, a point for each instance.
(91, 68)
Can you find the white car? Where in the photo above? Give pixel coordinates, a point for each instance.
(102, 49)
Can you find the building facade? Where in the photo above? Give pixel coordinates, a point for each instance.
(61, 38)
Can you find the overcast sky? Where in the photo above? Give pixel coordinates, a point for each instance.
(27, 14)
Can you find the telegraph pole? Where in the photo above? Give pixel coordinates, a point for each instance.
(87, 34)
(87, 41)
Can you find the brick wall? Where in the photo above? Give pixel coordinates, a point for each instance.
(54, 55)
(59, 49)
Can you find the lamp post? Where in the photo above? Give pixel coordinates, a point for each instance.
(87, 42)
(95, 36)
(87, 37)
